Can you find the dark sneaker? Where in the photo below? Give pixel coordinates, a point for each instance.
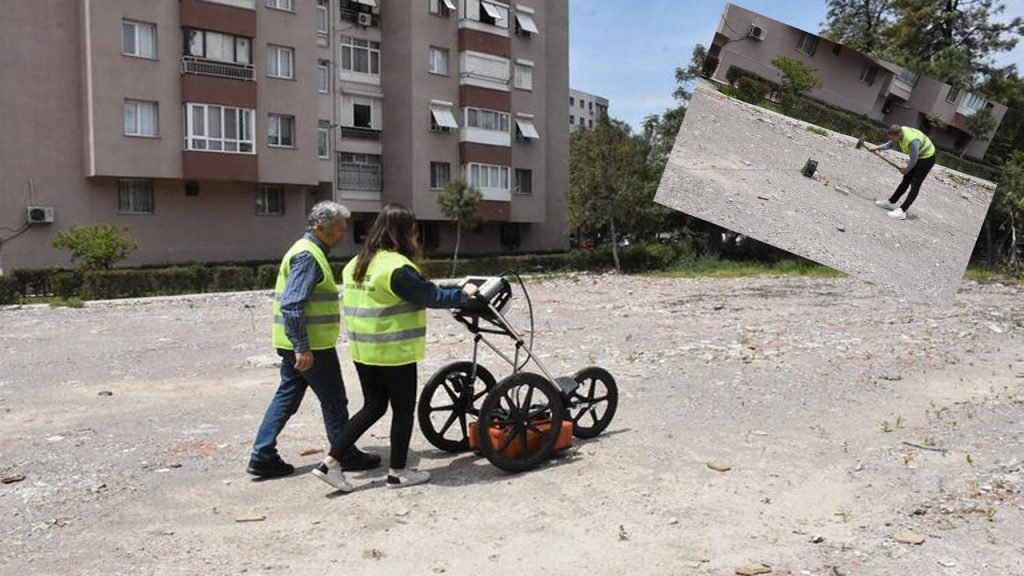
(273, 468)
(356, 460)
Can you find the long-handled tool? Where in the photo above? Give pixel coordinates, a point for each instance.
(860, 144)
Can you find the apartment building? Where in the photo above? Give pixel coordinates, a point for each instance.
(851, 80)
(207, 128)
(585, 109)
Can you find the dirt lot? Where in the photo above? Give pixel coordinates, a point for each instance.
(809, 390)
(739, 166)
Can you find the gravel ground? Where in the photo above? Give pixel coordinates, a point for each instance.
(847, 419)
(739, 166)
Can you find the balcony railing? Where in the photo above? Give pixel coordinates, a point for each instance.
(203, 67)
(899, 89)
(360, 133)
(249, 4)
(359, 177)
(970, 104)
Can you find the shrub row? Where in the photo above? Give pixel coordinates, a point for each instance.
(135, 282)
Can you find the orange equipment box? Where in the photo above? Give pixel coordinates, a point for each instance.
(533, 438)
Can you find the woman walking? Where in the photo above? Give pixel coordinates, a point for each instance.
(384, 297)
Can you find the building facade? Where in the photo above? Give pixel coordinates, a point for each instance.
(208, 128)
(585, 109)
(857, 82)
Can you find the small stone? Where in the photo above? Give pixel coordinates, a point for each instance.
(673, 520)
(311, 451)
(751, 570)
(251, 518)
(909, 538)
(947, 564)
(747, 163)
(402, 512)
(817, 540)
(719, 467)
(174, 465)
(840, 228)
(892, 377)
(12, 478)
(763, 198)
(623, 535)
(55, 438)
(105, 393)
(373, 553)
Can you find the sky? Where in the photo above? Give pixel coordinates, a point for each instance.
(628, 51)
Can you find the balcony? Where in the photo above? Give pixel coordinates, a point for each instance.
(358, 177)
(360, 133)
(902, 85)
(970, 104)
(203, 67)
(247, 4)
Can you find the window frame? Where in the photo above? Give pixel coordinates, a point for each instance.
(501, 172)
(131, 208)
(359, 160)
(350, 45)
(504, 119)
(323, 139)
(442, 8)
(952, 94)
(138, 118)
(278, 5)
(447, 170)
(323, 74)
(517, 77)
(446, 59)
(517, 181)
(136, 24)
(278, 119)
(187, 46)
(323, 8)
(869, 73)
(801, 44)
(274, 52)
(262, 194)
(245, 119)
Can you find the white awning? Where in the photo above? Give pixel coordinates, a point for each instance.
(526, 22)
(491, 10)
(450, 4)
(370, 3)
(443, 116)
(527, 129)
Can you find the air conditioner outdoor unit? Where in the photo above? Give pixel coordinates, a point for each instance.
(756, 32)
(365, 19)
(39, 215)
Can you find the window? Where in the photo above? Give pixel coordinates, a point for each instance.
(360, 56)
(867, 75)
(442, 7)
(438, 61)
(359, 172)
(488, 177)
(430, 236)
(219, 128)
(493, 14)
(280, 130)
(572, 101)
(487, 119)
(322, 17)
(217, 46)
(525, 24)
(572, 119)
(134, 196)
(140, 118)
(323, 139)
(909, 77)
(973, 102)
(590, 123)
(582, 103)
(362, 113)
(525, 128)
(440, 175)
(524, 75)
(952, 94)
(280, 5)
(442, 119)
(269, 200)
(138, 39)
(279, 61)
(837, 48)
(523, 183)
(248, 4)
(362, 116)
(808, 44)
(323, 77)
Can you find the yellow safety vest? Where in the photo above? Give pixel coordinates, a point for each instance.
(322, 309)
(927, 149)
(383, 329)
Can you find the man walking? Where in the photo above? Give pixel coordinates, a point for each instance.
(919, 147)
(307, 321)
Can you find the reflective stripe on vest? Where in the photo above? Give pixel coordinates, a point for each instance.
(383, 329)
(321, 310)
(927, 149)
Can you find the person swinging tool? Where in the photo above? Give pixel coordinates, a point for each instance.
(919, 147)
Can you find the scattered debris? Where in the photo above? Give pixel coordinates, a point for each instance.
(105, 393)
(947, 564)
(817, 540)
(748, 163)
(673, 521)
(251, 518)
(623, 535)
(751, 570)
(923, 447)
(840, 228)
(909, 538)
(759, 197)
(892, 377)
(719, 467)
(373, 553)
(311, 451)
(12, 478)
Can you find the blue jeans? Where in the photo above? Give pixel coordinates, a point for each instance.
(325, 380)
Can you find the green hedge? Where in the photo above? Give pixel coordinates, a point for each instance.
(954, 161)
(8, 290)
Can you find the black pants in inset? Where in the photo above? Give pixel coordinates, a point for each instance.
(913, 180)
(382, 385)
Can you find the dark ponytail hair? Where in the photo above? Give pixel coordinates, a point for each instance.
(394, 229)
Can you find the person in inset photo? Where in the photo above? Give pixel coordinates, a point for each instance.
(919, 147)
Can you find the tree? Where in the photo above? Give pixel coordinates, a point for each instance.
(798, 79)
(95, 247)
(858, 24)
(459, 201)
(1010, 200)
(685, 77)
(981, 124)
(605, 179)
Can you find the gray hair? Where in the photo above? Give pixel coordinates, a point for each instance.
(326, 212)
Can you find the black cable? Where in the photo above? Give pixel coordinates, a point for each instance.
(15, 235)
(529, 305)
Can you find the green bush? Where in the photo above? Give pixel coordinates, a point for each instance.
(178, 280)
(752, 90)
(953, 161)
(32, 282)
(266, 276)
(8, 290)
(66, 284)
(232, 278)
(95, 247)
(106, 284)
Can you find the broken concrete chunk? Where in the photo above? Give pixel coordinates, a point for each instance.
(751, 570)
(106, 393)
(12, 478)
(311, 451)
(251, 518)
(909, 538)
(719, 467)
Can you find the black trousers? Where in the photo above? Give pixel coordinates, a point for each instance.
(913, 180)
(383, 385)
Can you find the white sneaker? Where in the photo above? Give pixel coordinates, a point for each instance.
(333, 476)
(885, 204)
(408, 477)
(898, 214)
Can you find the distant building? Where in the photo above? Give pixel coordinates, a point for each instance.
(851, 80)
(585, 109)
